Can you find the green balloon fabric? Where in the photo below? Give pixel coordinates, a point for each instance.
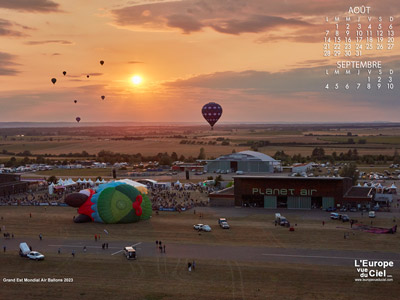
(146, 208)
(115, 204)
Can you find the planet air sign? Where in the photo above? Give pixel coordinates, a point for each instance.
(283, 192)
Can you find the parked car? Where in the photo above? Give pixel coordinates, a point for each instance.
(34, 255)
(345, 218)
(197, 226)
(224, 225)
(372, 214)
(334, 216)
(343, 209)
(202, 227)
(206, 228)
(239, 172)
(283, 221)
(353, 209)
(331, 209)
(220, 220)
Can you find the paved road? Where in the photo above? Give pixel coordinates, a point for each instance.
(218, 252)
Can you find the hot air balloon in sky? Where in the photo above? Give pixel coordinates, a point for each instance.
(78, 119)
(103, 97)
(102, 62)
(87, 76)
(114, 202)
(53, 80)
(75, 101)
(64, 73)
(212, 112)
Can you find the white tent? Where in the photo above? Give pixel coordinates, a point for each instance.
(393, 186)
(84, 180)
(97, 181)
(366, 185)
(79, 181)
(358, 184)
(90, 182)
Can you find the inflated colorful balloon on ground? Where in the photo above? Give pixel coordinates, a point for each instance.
(212, 112)
(114, 202)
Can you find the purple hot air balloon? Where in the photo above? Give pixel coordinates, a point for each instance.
(212, 112)
(78, 119)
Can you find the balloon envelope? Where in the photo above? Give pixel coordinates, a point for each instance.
(75, 101)
(53, 80)
(102, 62)
(212, 112)
(64, 73)
(87, 76)
(103, 97)
(78, 119)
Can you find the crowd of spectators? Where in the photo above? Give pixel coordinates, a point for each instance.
(178, 198)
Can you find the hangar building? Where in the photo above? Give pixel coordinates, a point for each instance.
(293, 192)
(245, 161)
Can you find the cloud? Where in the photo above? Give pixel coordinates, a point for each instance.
(224, 16)
(7, 29)
(298, 82)
(255, 23)
(30, 5)
(62, 42)
(135, 62)
(7, 64)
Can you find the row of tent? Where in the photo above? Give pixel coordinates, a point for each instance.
(378, 186)
(69, 182)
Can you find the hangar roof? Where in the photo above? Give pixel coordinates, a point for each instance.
(247, 156)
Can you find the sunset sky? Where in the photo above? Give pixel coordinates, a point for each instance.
(262, 60)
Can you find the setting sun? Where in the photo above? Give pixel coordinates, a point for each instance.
(136, 79)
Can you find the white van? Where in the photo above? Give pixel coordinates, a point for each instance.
(130, 253)
(24, 249)
(371, 214)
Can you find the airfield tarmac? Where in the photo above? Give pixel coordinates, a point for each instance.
(252, 260)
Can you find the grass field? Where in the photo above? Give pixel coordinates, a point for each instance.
(167, 278)
(103, 276)
(290, 138)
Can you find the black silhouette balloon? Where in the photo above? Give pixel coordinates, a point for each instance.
(64, 73)
(53, 80)
(75, 101)
(78, 119)
(102, 62)
(103, 97)
(212, 112)
(87, 76)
